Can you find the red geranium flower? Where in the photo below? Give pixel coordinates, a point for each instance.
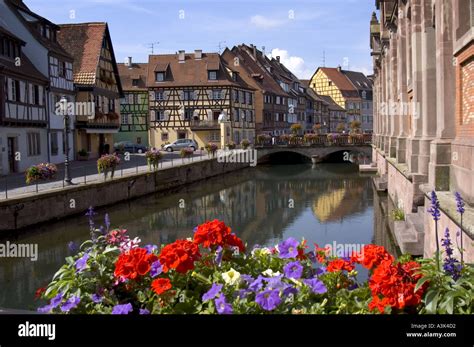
(136, 262)
(179, 255)
(216, 233)
(339, 265)
(161, 285)
(39, 292)
(371, 256)
(321, 253)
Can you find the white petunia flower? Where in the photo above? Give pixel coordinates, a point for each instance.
(270, 273)
(231, 277)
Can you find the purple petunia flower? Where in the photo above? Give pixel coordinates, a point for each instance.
(321, 270)
(316, 285)
(122, 309)
(268, 299)
(144, 311)
(247, 278)
(288, 248)
(156, 269)
(45, 309)
(434, 209)
(219, 254)
(274, 282)
(81, 263)
(150, 248)
(97, 298)
(289, 290)
(242, 293)
(257, 284)
(222, 306)
(56, 300)
(71, 303)
(293, 270)
(450, 265)
(212, 293)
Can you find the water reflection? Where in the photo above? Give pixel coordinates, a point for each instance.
(322, 203)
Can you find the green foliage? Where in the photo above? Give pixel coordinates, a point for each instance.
(398, 214)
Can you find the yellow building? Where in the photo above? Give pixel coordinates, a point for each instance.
(350, 90)
(188, 93)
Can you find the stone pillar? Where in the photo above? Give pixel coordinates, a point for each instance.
(440, 159)
(402, 87)
(428, 109)
(392, 96)
(414, 78)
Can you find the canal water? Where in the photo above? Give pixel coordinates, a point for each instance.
(322, 203)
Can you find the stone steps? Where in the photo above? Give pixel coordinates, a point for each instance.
(410, 233)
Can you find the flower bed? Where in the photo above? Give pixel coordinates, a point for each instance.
(212, 272)
(40, 172)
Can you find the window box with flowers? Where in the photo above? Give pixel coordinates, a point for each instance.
(40, 172)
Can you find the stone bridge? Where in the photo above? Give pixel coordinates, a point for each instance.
(316, 153)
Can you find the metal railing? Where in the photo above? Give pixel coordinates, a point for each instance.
(15, 186)
(318, 140)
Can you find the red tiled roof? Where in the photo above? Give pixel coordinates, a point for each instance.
(137, 71)
(338, 78)
(193, 72)
(84, 42)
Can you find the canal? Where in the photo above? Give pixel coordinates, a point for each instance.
(323, 203)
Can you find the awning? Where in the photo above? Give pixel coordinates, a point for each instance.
(102, 131)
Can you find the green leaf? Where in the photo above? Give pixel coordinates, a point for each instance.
(420, 283)
(431, 301)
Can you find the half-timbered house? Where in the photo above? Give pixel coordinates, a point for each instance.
(271, 107)
(134, 104)
(23, 118)
(51, 60)
(97, 82)
(188, 93)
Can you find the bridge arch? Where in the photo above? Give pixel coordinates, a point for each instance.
(318, 153)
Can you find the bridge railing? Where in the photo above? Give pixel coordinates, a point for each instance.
(318, 140)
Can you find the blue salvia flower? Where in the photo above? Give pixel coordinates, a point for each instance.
(460, 208)
(450, 265)
(90, 214)
(435, 212)
(107, 222)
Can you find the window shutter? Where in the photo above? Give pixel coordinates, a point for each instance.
(40, 92)
(10, 88)
(151, 95)
(23, 91)
(30, 94)
(223, 93)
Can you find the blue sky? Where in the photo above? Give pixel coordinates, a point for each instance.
(296, 30)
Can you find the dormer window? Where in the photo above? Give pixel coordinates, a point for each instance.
(212, 75)
(160, 76)
(234, 76)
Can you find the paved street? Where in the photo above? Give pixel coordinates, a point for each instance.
(86, 171)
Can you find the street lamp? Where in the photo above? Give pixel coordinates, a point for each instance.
(64, 113)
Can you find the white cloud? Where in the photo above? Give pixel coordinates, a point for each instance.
(265, 22)
(293, 63)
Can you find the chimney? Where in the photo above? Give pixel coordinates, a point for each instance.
(181, 56)
(129, 62)
(339, 68)
(198, 54)
(278, 58)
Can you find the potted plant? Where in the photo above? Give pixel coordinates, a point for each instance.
(186, 152)
(340, 127)
(295, 128)
(43, 171)
(82, 155)
(317, 128)
(231, 145)
(153, 157)
(211, 148)
(107, 163)
(262, 138)
(245, 143)
(310, 139)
